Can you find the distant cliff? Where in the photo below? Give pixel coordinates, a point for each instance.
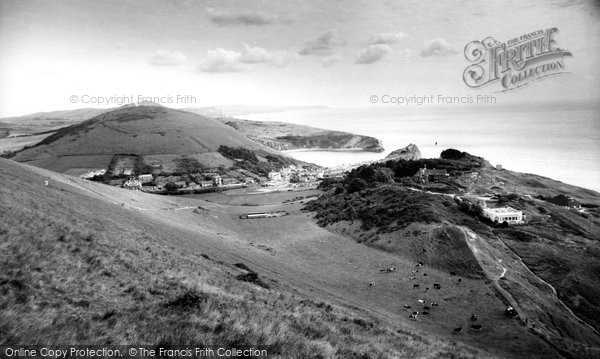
(286, 136)
(408, 153)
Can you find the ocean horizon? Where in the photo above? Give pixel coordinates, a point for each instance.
(562, 143)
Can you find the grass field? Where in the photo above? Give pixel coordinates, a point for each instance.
(87, 263)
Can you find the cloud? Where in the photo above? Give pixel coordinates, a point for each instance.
(221, 60)
(388, 38)
(223, 18)
(324, 45)
(330, 60)
(438, 47)
(373, 53)
(168, 58)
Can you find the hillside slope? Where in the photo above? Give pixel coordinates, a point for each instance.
(77, 268)
(156, 133)
(167, 266)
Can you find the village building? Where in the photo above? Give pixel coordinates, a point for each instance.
(181, 184)
(504, 214)
(206, 184)
(132, 184)
(145, 178)
(275, 176)
(217, 180)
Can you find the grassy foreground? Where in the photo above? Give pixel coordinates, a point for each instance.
(77, 270)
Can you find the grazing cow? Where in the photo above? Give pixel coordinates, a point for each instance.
(459, 280)
(476, 326)
(406, 306)
(458, 330)
(510, 311)
(414, 316)
(415, 286)
(413, 278)
(391, 269)
(473, 317)
(437, 286)
(415, 271)
(371, 284)
(381, 269)
(424, 274)
(434, 304)
(425, 312)
(416, 312)
(426, 308)
(421, 301)
(420, 264)
(426, 288)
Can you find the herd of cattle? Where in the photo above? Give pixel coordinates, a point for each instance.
(509, 311)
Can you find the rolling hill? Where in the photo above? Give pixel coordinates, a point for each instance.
(157, 134)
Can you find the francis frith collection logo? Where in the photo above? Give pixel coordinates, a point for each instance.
(516, 62)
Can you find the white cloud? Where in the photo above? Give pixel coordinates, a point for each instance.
(387, 38)
(223, 18)
(438, 47)
(167, 58)
(330, 60)
(324, 45)
(221, 60)
(373, 53)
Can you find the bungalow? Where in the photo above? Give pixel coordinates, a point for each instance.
(504, 214)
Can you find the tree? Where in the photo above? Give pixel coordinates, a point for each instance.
(356, 184)
(171, 187)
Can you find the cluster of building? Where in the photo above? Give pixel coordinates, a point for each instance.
(194, 181)
(295, 174)
(492, 210)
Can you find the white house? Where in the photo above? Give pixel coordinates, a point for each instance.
(504, 214)
(275, 176)
(146, 178)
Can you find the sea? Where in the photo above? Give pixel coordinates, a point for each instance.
(560, 141)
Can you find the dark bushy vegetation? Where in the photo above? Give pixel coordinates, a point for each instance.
(250, 160)
(386, 207)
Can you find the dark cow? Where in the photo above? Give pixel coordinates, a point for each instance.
(473, 317)
(415, 286)
(434, 304)
(458, 330)
(425, 312)
(437, 286)
(476, 326)
(406, 306)
(426, 307)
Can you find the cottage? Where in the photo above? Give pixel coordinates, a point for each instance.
(504, 214)
(181, 184)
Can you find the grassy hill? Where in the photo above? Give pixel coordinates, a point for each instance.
(83, 263)
(158, 134)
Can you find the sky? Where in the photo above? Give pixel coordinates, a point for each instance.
(63, 54)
